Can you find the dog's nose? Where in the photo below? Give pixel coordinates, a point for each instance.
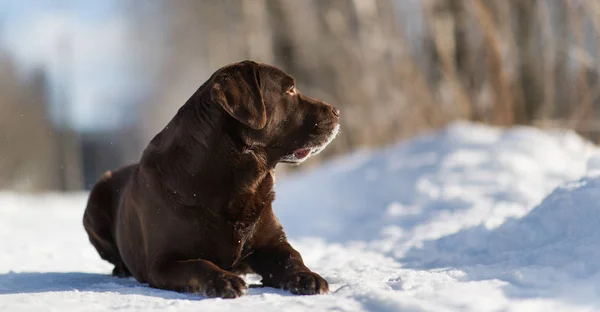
(335, 111)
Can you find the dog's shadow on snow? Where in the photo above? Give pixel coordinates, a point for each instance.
(42, 282)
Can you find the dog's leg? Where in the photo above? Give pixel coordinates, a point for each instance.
(121, 271)
(281, 266)
(198, 276)
(98, 219)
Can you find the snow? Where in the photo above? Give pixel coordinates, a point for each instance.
(471, 218)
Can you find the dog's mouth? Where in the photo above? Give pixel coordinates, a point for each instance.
(304, 153)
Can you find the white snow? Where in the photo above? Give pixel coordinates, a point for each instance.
(472, 218)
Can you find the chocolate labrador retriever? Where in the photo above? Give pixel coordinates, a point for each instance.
(195, 212)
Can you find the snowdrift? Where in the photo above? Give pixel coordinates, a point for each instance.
(465, 176)
(554, 249)
(471, 218)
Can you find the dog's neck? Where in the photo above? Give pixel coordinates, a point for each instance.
(196, 151)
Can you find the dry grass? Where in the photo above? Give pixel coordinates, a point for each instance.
(540, 60)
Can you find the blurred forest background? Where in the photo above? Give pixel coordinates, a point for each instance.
(85, 84)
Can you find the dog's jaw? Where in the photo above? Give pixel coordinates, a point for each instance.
(302, 154)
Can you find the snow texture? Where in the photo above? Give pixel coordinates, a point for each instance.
(471, 218)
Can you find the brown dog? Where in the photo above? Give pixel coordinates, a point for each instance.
(196, 210)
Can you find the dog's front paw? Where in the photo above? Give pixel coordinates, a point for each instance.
(226, 286)
(305, 283)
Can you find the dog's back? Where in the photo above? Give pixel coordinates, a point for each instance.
(99, 218)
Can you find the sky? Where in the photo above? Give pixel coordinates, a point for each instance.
(93, 72)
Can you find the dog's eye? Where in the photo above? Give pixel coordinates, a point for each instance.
(291, 90)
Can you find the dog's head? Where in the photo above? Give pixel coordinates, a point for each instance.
(269, 116)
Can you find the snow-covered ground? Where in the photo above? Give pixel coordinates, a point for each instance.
(471, 218)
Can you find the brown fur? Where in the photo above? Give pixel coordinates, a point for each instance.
(196, 211)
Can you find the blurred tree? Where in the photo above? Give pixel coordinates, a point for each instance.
(531, 65)
(27, 143)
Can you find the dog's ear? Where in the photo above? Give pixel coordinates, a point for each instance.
(236, 88)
